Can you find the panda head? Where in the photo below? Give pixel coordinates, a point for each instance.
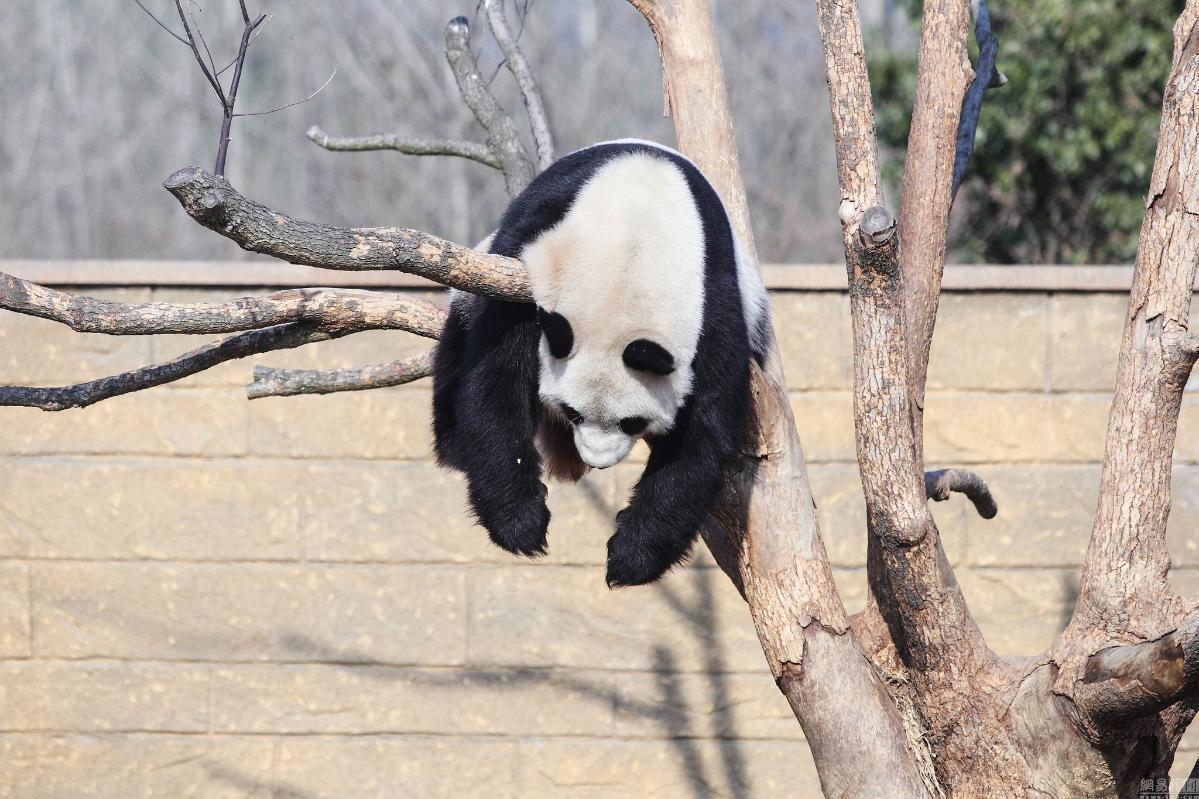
(611, 389)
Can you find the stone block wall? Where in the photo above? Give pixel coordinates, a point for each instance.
(202, 596)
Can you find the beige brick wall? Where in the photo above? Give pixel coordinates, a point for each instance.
(202, 596)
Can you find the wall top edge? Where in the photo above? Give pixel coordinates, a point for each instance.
(778, 277)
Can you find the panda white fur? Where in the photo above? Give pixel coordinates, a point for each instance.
(645, 319)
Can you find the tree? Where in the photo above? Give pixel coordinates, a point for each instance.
(905, 698)
(1063, 159)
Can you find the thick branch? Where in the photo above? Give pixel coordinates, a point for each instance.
(502, 138)
(1127, 682)
(215, 204)
(390, 141)
(1124, 591)
(518, 65)
(915, 603)
(269, 382)
(766, 515)
(942, 75)
(330, 308)
(940, 484)
(280, 337)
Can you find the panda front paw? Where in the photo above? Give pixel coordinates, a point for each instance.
(520, 524)
(639, 553)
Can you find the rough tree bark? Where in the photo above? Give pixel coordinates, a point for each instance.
(906, 699)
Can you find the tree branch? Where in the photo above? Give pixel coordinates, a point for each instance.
(940, 484)
(269, 382)
(279, 337)
(518, 65)
(1124, 594)
(767, 532)
(1127, 682)
(215, 204)
(942, 75)
(331, 308)
(502, 138)
(390, 141)
(697, 98)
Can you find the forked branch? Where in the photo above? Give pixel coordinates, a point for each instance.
(518, 65)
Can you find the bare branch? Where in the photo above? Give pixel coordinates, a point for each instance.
(215, 204)
(270, 382)
(161, 24)
(518, 65)
(696, 96)
(940, 484)
(1127, 682)
(1124, 588)
(390, 141)
(290, 105)
(331, 308)
(942, 76)
(280, 337)
(191, 41)
(502, 138)
(227, 111)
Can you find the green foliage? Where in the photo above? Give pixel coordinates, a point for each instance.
(1064, 151)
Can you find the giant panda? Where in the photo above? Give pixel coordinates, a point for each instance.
(646, 316)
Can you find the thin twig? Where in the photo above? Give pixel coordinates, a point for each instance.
(290, 105)
(270, 382)
(518, 65)
(161, 24)
(390, 141)
(191, 41)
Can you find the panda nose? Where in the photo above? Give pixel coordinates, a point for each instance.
(600, 448)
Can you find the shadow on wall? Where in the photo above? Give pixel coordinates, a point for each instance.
(668, 711)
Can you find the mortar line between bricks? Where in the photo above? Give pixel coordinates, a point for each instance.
(29, 609)
(1051, 298)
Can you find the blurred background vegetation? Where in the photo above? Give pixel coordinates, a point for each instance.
(99, 106)
(1064, 151)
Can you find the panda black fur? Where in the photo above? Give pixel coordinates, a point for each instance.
(645, 321)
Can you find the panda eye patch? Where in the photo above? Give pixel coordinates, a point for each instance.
(633, 425)
(557, 331)
(571, 414)
(648, 356)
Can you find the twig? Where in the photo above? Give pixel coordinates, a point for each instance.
(227, 116)
(270, 382)
(986, 76)
(280, 337)
(161, 24)
(940, 484)
(390, 141)
(215, 204)
(290, 105)
(518, 65)
(191, 41)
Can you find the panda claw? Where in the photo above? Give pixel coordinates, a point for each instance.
(524, 529)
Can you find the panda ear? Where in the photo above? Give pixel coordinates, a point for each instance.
(558, 333)
(648, 356)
